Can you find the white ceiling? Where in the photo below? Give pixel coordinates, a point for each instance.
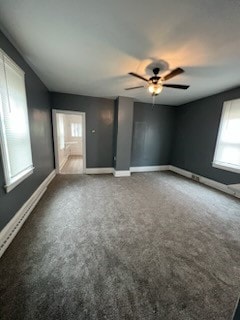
(89, 46)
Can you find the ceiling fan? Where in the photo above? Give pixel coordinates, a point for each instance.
(156, 83)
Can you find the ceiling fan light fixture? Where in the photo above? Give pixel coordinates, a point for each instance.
(155, 89)
(156, 83)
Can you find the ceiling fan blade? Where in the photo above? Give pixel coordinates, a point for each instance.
(137, 76)
(176, 86)
(134, 88)
(173, 73)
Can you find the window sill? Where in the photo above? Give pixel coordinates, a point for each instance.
(19, 179)
(227, 167)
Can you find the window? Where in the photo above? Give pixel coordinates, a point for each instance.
(14, 126)
(227, 152)
(61, 131)
(76, 130)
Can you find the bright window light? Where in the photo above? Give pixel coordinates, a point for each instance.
(76, 130)
(227, 152)
(14, 124)
(60, 130)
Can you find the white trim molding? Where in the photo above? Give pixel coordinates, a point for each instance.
(180, 171)
(19, 179)
(227, 167)
(125, 173)
(149, 168)
(121, 173)
(209, 182)
(14, 225)
(98, 170)
(235, 188)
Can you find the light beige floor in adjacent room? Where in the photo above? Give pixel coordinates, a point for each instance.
(74, 165)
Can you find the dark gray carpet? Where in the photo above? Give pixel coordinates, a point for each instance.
(151, 246)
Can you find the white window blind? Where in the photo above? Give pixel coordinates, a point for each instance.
(227, 152)
(76, 130)
(15, 136)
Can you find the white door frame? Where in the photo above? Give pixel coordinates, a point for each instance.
(55, 138)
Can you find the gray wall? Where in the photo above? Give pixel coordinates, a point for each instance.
(196, 134)
(124, 129)
(153, 129)
(99, 117)
(41, 139)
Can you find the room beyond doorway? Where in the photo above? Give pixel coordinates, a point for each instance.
(69, 141)
(73, 165)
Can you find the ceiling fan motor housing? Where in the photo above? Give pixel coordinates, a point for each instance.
(154, 79)
(156, 71)
(156, 83)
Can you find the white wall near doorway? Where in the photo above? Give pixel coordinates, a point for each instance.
(69, 141)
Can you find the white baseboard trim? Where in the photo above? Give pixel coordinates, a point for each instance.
(180, 171)
(235, 188)
(14, 225)
(209, 182)
(149, 168)
(98, 170)
(125, 173)
(121, 173)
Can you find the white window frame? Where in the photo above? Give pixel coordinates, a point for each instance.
(11, 182)
(217, 164)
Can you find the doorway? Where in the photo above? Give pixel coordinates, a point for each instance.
(69, 141)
